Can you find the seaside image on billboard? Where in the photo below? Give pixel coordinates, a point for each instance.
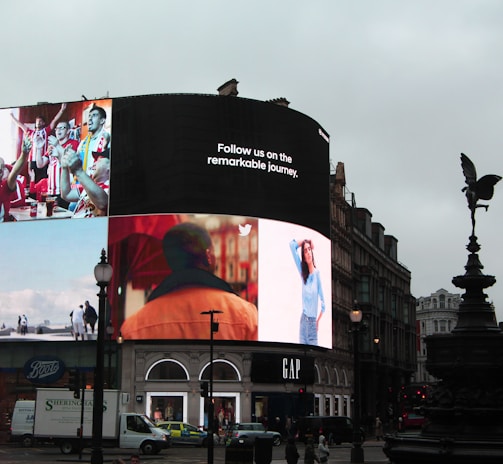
(48, 272)
(224, 200)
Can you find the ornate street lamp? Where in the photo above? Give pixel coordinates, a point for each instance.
(356, 318)
(103, 274)
(211, 406)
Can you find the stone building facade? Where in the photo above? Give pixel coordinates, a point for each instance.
(435, 314)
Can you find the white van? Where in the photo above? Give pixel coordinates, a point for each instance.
(21, 428)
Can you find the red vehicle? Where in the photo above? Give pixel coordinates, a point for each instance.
(412, 419)
(411, 402)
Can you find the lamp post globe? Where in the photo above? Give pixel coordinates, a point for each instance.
(103, 271)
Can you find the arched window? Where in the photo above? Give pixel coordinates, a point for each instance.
(336, 377)
(167, 369)
(345, 378)
(327, 376)
(223, 371)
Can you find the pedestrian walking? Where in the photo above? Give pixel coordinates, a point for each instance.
(288, 426)
(291, 453)
(323, 451)
(379, 429)
(401, 425)
(310, 455)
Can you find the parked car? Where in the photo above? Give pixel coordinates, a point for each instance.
(337, 429)
(184, 434)
(248, 431)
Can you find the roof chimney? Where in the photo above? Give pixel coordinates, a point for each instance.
(229, 89)
(282, 101)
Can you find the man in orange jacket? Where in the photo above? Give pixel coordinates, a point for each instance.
(174, 307)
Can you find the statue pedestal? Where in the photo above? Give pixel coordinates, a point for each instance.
(464, 410)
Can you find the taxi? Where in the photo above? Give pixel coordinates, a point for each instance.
(184, 434)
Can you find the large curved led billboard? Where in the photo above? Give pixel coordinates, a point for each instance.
(204, 203)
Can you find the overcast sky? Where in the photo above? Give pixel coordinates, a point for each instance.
(402, 87)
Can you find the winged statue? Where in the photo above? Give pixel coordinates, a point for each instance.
(477, 189)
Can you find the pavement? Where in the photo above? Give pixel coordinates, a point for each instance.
(340, 454)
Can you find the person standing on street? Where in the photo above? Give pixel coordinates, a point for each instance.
(291, 452)
(323, 451)
(309, 454)
(379, 429)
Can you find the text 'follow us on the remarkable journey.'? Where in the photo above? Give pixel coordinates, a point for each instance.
(253, 158)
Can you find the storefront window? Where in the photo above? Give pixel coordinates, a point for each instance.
(225, 408)
(226, 412)
(166, 407)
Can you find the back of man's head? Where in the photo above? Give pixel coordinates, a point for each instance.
(186, 246)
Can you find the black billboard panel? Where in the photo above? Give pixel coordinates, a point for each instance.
(205, 154)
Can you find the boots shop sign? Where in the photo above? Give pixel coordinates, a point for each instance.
(44, 369)
(269, 368)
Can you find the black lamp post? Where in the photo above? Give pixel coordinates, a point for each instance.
(103, 274)
(211, 406)
(110, 333)
(357, 451)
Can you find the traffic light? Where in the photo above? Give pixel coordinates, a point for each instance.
(74, 382)
(204, 389)
(302, 390)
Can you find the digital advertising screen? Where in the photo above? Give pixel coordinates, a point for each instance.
(203, 203)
